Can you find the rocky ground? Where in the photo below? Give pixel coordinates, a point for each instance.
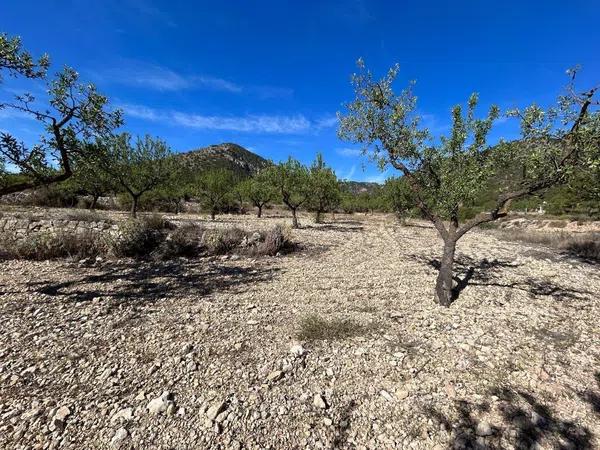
(205, 353)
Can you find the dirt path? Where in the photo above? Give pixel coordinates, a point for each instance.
(515, 361)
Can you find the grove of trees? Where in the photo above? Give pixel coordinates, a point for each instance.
(456, 181)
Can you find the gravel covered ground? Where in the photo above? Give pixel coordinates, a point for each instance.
(206, 353)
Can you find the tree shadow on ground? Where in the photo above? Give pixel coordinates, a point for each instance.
(591, 397)
(342, 427)
(336, 227)
(525, 423)
(472, 272)
(137, 281)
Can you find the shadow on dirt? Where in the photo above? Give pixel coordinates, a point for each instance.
(342, 427)
(526, 423)
(472, 272)
(593, 397)
(148, 282)
(336, 227)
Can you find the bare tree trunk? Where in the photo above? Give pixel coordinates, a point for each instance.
(213, 213)
(134, 205)
(294, 219)
(444, 294)
(318, 216)
(94, 202)
(259, 213)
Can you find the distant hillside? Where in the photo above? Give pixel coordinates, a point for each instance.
(227, 156)
(360, 187)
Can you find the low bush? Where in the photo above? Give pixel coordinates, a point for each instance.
(52, 197)
(84, 215)
(44, 246)
(222, 241)
(157, 222)
(276, 240)
(137, 238)
(315, 328)
(184, 241)
(270, 243)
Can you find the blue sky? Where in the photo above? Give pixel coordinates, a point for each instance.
(270, 75)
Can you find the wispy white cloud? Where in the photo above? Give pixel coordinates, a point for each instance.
(10, 113)
(327, 122)
(257, 123)
(350, 173)
(349, 152)
(269, 92)
(217, 84)
(151, 76)
(254, 123)
(141, 112)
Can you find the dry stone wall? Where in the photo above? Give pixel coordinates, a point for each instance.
(20, 228)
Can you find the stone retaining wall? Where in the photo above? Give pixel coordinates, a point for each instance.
(20, 228)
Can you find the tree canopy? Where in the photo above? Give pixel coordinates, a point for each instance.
(449, 172)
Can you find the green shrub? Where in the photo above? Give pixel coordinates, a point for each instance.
(51, 197)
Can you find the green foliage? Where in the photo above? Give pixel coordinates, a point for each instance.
(257, 190)
(214, 189)
(18, 61)
(399, 197)
(454, 171)
(139, 168)
(324, 189)
(290, 179)
(75, 113)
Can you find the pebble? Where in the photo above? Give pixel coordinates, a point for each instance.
(319, 401)
(118, 438)
(215, 410)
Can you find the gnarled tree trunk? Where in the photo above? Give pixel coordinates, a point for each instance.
(259, 212)
(444, 293)
(295, 223)
(134, 205)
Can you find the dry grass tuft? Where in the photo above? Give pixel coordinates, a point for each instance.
(316, 328)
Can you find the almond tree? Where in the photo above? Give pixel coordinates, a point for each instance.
(290, 180)
(214, 189)
(138, 168)
(323, 186)
(258, 191)
(399, 196)
(448, 173)
(72, 114)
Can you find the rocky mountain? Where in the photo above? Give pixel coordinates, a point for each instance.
(360, 187)
(227, 156)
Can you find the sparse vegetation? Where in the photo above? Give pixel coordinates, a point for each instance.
(45, 246)
(583, 245)
(316, 328)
